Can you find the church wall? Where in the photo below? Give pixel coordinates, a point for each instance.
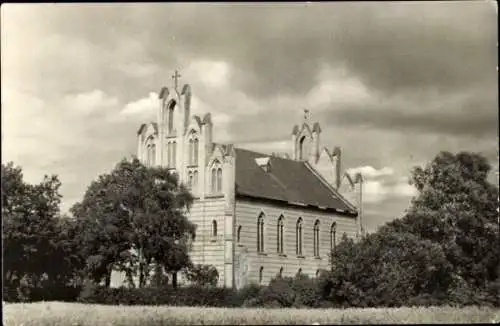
(248, 261)
(207, 249)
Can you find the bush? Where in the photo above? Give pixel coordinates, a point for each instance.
(202, 275)
(185, 296)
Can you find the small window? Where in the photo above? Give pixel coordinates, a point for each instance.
(280, 234)
(214, 228)
(298, 237)
(316, 238)
(190, 160)
(214, 181)
(333, 236)
(219, 180)
(261, 274)
(238, 234)
(317, 273)
(195, 154)
(281, 272)
(299, 272)
(260, 233)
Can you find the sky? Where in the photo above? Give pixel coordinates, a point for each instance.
(391, 83)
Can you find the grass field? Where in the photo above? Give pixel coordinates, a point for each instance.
(73, 314)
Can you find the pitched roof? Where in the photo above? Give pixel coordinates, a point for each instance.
(287, 181)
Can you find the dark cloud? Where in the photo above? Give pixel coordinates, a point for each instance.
(475, 117)
(279, 49)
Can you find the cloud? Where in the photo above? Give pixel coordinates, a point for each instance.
(391, 83)
(369, 172)
(142, 108)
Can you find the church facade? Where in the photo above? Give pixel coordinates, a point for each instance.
(257, 215)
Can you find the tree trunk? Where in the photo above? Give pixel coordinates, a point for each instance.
(174, 280)
(107, 280)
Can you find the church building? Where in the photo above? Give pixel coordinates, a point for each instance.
(258, 215)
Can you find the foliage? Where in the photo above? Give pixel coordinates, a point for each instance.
(444, 250)
(133, 219)
(456, 208)
(38, 253)
(185, 296)
(202, 275)
(390, 270)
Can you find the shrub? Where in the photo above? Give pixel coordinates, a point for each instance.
(202, 275)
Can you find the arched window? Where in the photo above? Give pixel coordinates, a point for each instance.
(219, 180)
(281, 272)
(260, 233)
(317, 273)
(298, 237)
(190, 149)
(299, 272)
(281, 227)
(238, 234)
(214, 180)
(171, 118)
(195, 153)
(301, 147)
(333, 235)
(214, 228)
(316, 238)
(261, 272)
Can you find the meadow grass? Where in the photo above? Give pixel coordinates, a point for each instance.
(74, 314)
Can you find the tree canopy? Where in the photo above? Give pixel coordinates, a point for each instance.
(133, 218)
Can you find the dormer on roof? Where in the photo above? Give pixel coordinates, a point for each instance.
(264, 163)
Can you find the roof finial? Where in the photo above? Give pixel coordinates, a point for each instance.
(175, 77)
(306, 115)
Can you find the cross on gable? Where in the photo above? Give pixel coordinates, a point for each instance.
(306, 115)
(175, 77)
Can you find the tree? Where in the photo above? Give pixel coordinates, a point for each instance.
(135, 218)
(33, 233)
(456, 207)
(390, 269)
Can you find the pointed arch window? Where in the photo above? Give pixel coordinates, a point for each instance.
(195, 151)
(333, 236)
(301, 147)
(261, 274)
(281, 272)
(190, 149)
(214, 228)
(219, 180)
(171, 117)
(298, 237)
(280, 232)
(260, 233)
(216, 179)
(316, 238)
(238, 234)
